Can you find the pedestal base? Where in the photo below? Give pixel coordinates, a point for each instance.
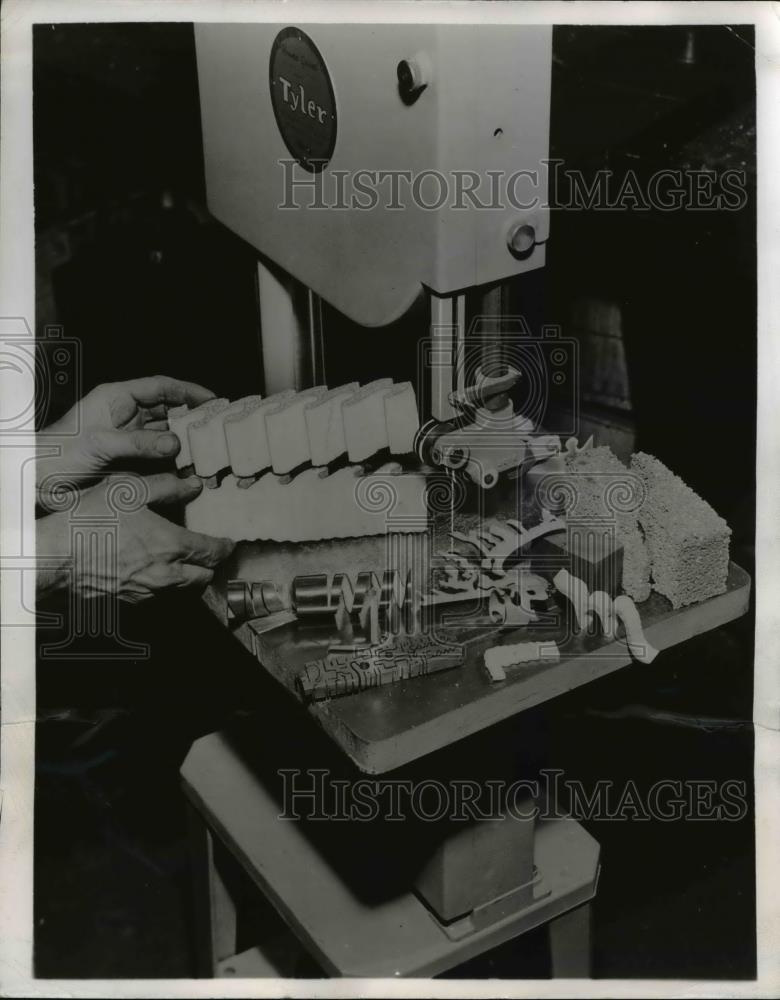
(344, 934)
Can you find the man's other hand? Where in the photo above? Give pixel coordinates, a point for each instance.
(134, 552)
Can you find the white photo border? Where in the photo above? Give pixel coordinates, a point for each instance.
(17, 299)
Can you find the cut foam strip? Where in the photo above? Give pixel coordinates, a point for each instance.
(240, 445)
(638, 646)
(602, 605)
(325, 424)
(499, 657)
(288, 439)
(206, 438)
(245, 434)
(365, 427)
(207, 441)
(545, 445)
(576, 592)
(179, 419)
(177, 423)
(402, 418)
(495, 671)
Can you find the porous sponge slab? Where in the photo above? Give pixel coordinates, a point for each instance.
(636, 561)
(687, 541)
(592, 471)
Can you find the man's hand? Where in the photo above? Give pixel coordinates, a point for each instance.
(118, 422)
(133, 552)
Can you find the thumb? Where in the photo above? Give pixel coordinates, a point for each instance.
(112, 445)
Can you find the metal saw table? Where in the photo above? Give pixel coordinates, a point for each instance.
(236, 810)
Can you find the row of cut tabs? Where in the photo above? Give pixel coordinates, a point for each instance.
(289, 429)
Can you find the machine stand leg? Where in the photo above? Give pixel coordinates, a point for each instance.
(214, 907)
(570, 944)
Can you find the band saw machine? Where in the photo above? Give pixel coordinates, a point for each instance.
(392, 534)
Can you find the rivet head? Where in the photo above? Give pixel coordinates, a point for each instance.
(521, 239)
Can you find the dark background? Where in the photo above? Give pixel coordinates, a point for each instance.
(130, 264)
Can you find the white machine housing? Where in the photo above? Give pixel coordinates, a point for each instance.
(480, 103)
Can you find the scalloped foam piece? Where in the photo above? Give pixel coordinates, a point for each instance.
(325, 424)
(402, 418)
(311, 507)
(285, 425)
(365, 426)
(245, 434)
(179, 420)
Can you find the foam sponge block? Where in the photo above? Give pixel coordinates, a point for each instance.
(688, 542)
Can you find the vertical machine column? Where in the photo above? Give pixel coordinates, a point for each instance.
(291, 332)
(448, 333)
